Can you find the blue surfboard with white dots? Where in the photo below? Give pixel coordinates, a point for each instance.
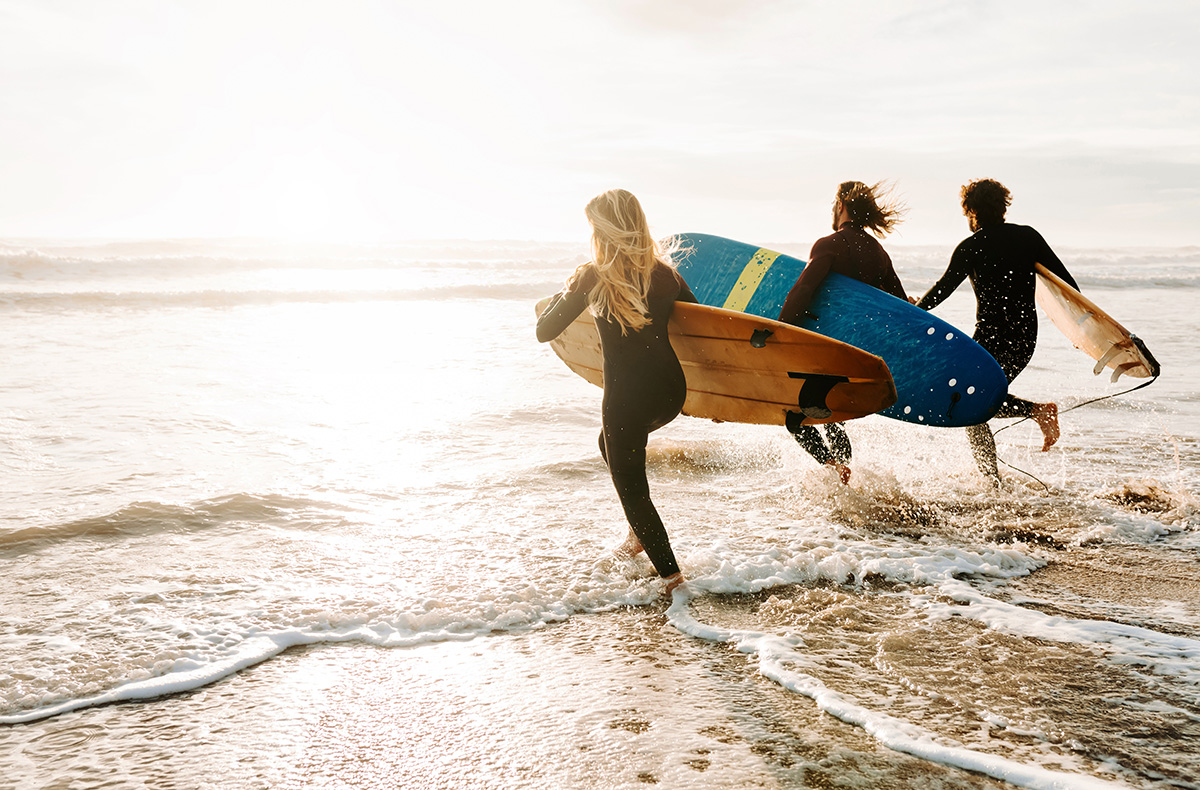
(942, 376)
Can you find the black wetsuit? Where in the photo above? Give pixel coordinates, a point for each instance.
(852, 252)
(644, 389)
(999, 258)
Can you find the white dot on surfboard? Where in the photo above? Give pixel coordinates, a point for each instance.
(931, 331)
(908, 409)
(921, 417)
(949, 335)
(953, 382)
(970, 390)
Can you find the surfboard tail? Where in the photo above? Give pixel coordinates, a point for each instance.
(1092, 330)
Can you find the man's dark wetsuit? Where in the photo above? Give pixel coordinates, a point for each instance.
(644, 389)
(856, 254)
(999, 259)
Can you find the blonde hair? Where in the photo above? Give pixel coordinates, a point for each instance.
(624, 254)
(872, 207)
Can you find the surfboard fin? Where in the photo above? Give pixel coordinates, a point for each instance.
(955, 397)
(1121, 369)
(813, 392)
(1101, 363)
(1142, 358)
(759, 338)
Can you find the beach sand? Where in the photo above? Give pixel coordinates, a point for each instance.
(567, 707)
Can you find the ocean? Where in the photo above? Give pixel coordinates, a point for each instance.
(291, 516)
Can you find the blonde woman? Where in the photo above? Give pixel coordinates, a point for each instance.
(631, 288)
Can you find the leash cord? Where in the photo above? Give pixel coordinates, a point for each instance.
(1064, 411)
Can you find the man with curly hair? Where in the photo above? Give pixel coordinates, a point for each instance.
(999, 259)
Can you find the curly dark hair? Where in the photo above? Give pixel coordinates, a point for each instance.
(985, 200)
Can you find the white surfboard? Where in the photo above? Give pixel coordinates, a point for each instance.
(1092, 330)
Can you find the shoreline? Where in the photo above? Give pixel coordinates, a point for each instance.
(613, 700)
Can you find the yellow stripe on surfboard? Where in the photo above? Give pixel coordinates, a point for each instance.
(743, 290)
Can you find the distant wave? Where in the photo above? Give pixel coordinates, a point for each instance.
(100, 265)
(1132, 256)
(221, 298)
(1095, 279)
(201, 256)
(1176, 267)
(155, 517)
(1089, 278)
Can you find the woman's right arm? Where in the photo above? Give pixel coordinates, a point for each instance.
(565, 306)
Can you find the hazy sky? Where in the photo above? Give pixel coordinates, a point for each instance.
(375, 121)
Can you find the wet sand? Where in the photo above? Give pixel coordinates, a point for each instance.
(623, 699)
(570, 706)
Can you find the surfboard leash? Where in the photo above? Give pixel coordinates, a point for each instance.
(1156, 370)
(1022, 471)
(1105, 397)
(1085, 403)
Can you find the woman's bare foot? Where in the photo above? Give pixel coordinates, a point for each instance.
(1046, 416)
(673, 581)
(630, 548)
(842, 470)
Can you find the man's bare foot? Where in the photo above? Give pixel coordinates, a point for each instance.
(630, 548)
(1046, 416)
(842, 470)
(673, 581)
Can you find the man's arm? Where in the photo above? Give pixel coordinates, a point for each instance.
(955, 273)
(795, 306)
(891, 280)
(1046, 257)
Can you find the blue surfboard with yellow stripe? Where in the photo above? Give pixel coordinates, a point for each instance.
(942, 376)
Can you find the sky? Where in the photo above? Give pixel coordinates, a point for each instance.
(353, 120)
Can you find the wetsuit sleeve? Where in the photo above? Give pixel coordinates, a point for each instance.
(1046, 257)
(685, 293)
(565, 306)
(956, 272)
(800, 297)
(891, 280)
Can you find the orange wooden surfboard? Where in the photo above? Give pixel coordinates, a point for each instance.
(1092, 330)
(743, 368)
